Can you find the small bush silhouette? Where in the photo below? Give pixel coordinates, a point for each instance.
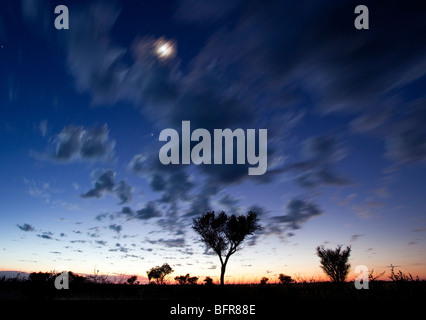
(400, 276)
(264, 280)
(372, 277)
(284, 279)
(98, 278)
(41, 277)
(335, 262)
(159, 273)
(47, 279)
(76, 279)
(208, 281)
(132, 280)
(186, 279)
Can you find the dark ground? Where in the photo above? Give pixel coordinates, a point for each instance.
(270, 301)
(378, 291)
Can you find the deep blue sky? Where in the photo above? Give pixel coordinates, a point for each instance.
(81, 111)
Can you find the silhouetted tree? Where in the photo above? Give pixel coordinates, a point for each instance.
(76, 279)
(335, 262)
(98, 278)
(159, 273)
(192, 280)
(264, 280)
(181, 279)
(284, 279)
(132, 280)
(41, 277)
(400, 276)
(186, 279)
(372, 277)
(208, 281)
(224, 233)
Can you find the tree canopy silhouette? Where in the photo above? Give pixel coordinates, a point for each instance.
(182, 280)
(132, 280)
(159, 273)
(335, 262)
(224, 234)
(284, 279)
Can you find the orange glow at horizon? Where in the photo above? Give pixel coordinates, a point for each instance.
(232, 278)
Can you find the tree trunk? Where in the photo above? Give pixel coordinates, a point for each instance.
(222, 274)
(223, 268)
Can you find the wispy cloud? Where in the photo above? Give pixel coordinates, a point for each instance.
(299, 211)
(26, 227)
(149, 211)
(320, 154)
(170, 243)
(115, 227)
(355, 237)
(105, 183)
(101, 242)
(48, 235)
(75, 143)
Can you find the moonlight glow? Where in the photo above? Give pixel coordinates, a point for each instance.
(164, 49)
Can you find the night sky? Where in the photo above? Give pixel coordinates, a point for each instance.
(81, 111)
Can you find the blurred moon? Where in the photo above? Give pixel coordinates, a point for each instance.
(164, 49)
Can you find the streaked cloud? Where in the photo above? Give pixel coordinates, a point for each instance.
(26, 227)
(299, 211)
(105, 183)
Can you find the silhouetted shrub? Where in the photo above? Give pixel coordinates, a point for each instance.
(76, 279)
(208, 281)
(186, 279)
(41, 277)
(264, 280)
(372, 277)
(159, 273)
(98, 278)
(181, 279)
(400, 276)
(132, 280)
(284, 279)
(192, 280)
(335, 262)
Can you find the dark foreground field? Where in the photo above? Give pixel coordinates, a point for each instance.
(312, 300)
(322, 291)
